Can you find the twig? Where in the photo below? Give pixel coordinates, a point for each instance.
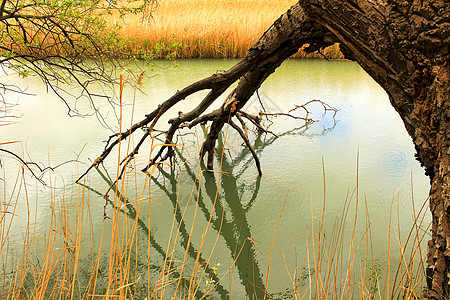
(306, 119)
(41, 170)
(250, 147)
(326, 107)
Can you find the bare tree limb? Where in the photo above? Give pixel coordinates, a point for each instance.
(249, 146)
(290, 32)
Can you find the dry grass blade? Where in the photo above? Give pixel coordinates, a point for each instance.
(206, 29)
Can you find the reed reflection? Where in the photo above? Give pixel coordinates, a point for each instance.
(223, 200)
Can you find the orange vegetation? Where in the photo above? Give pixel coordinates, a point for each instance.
(205, 28)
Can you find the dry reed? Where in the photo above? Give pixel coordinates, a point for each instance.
(332, 269)
(206, 28)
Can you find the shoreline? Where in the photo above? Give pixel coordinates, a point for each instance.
(205, 29)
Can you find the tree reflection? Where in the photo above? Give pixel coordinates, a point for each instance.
(224, 207)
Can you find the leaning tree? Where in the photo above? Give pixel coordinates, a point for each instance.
(402, 45)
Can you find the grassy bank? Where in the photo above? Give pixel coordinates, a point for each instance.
(207, 28)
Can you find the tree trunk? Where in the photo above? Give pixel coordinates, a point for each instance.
(404, 46)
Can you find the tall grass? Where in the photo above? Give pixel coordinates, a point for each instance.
(127, 259)
(53, 266)
(206, 28)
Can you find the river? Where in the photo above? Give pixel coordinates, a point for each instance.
(357, 161)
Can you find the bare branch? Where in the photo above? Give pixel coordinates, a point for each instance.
(249, 145)
(326, 107)
(291, 31)
(31, 164)
(306, 119)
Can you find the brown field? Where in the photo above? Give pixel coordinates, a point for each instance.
(206, 28)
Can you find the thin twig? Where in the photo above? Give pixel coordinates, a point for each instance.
(249, 145)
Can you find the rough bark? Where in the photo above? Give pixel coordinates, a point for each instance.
(403, 45)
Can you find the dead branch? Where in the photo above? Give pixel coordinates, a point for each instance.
(326, 107)
(256, 121)
(290, 32)
(306, 119)
(249, 145)
(42, 170)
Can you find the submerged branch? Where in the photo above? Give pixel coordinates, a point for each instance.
(290, 32)
(249, 145)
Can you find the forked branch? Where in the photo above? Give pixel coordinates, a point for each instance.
(290, 32)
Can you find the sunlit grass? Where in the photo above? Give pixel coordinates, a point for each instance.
(207, 28)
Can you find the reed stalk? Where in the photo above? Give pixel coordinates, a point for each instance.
(205, 29)
(68, 261)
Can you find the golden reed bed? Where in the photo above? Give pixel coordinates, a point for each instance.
(207, 28)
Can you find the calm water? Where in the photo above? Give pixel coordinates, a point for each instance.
(364, 144)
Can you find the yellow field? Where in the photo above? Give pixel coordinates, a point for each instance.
(207, 28)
